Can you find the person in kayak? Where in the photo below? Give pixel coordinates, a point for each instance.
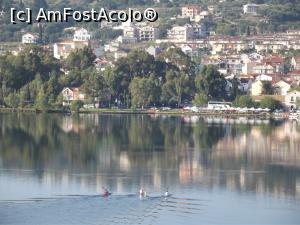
(143, 193)
(167, 193)
(105, 193)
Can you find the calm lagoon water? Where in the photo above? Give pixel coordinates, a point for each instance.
(219, 171)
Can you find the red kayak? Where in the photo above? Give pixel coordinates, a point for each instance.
(106, 194)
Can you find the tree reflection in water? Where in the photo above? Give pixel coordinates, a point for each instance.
(261, 157)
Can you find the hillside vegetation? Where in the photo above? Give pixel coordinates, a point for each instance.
(228, 19)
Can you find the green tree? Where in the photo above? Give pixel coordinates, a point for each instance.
(211, 82)
(80, 59)
(234, 90)
(53, 86)
(268, 88)
(34, 87)
(178, 86)
(41, 100)
(200, 99)
(243, 101)
(12, 100)
(37, 4)
(24, 96)
(76, 105)
(178, 61)
(268, 102)
(96, 87)
(118, 84)
(137, 64)
(298, 103)
(144, 91)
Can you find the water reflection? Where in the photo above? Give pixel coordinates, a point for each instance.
(128, 151)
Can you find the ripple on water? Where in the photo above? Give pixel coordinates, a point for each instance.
(95, 210)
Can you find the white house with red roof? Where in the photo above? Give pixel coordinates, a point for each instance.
(72, 94)
(270, 65)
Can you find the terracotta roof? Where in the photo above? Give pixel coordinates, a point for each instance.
(294, 72)
(273, 60)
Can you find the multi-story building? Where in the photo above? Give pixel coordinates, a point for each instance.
(148, 33)
(130, 31)
(181, 33)
(190, 11)
(63, 49)
(269, 65)
(226, 44)
(81, 34)
(250, 8)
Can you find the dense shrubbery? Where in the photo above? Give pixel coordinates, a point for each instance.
(35, 79)
(266, 102)
(76, 106)
(244, 101)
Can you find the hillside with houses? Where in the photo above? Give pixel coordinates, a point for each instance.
(189, 57)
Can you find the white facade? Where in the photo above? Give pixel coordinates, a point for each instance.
(295, 62)
(30, 38)
(264, 77)
(282, 88)
(154, 51)
(291, 99)
(72, 94)
(81, 34)
(130, 31)
(250, 9)
(62, 50)
(186, 49)
(181, 33)
(148, 33)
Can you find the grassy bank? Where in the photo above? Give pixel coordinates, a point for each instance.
(139, 111)
(174, 112)
(32, 110)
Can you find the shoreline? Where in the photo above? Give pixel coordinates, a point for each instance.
(141, 112)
